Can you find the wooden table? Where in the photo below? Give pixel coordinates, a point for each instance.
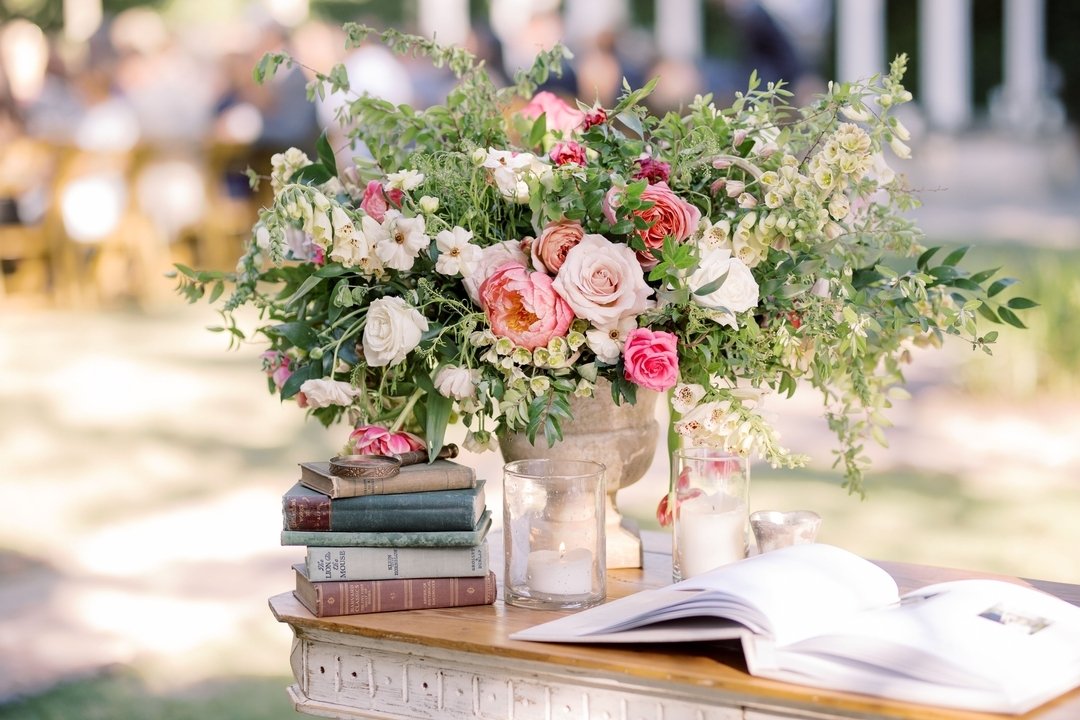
(458, 663)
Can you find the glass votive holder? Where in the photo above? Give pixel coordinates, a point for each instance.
(774, 529)
(712, 492)
(553, 534)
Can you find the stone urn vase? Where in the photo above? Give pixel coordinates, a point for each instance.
(622, 437)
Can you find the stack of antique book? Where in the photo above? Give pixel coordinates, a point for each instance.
(415, 540)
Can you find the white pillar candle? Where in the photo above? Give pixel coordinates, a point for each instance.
(709, 533)
(560, 572)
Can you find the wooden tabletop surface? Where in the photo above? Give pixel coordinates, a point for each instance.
(484, 630)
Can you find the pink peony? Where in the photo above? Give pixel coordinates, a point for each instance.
(560, 116)
(669, 215)
(377, 200)
(650, 359)
(377, 440)
(564, 153)
(549, 250)
(652, 170)
(524, 307)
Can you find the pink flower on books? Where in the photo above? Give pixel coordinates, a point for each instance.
(377, 440)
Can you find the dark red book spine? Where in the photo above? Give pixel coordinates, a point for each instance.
(307, 512)
(355, 597)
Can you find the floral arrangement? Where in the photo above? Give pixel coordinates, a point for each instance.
(488, 259)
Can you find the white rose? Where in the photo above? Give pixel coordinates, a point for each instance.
(738, 293)
(491, 259)
(323, 393)
(457, 383)
(602, 281)
(392, 330)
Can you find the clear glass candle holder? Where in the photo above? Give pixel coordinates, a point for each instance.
(712, 493)
(553, 531)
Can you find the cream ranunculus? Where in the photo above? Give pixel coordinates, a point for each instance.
(738, 293)
(602, 281)
(392, 330)
(324, 393)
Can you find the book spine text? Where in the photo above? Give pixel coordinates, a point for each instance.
(372, 563)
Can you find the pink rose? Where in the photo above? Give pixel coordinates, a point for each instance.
(560, 116)
(377, 200)
(652, 170)
(650, 359)
(524, 307)
(669, 215)
(563, 153)
(602, 282)
(549, 250)
(377, 440)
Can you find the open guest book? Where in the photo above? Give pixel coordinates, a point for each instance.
(818, 615)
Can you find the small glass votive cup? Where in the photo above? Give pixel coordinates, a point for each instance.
(553, 533)
(712, 493)
(775, 529)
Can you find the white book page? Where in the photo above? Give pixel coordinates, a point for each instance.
(1017, 642)
(785, 594)
(801, 591)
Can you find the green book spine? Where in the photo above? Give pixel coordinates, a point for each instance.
(307, 509)
(403, 538)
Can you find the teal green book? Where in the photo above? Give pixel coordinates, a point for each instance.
(305, 509)
(403, 538)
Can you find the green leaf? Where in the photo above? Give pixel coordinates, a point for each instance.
(632, 122)
(438, 417)
(297, 333)
(215, 293)
(789, 291)
(957, 255)
(314, 174)
(711, 287)
(1021, 303)
(331, 270)
(925, 257)
(981, 277)
(302, 374)
(966, 284)
(1010, 317)
(539, 129)
(1000, 285)
(989, 314)
(326, 154)
(305, 287)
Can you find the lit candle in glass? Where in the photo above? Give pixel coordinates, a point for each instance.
(560, 572)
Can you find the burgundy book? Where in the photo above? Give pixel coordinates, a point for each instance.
(331, 598)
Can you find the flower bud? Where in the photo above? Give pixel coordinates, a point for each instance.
(901, 150)
(429, 204)
(734, 188)
(747, 201)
